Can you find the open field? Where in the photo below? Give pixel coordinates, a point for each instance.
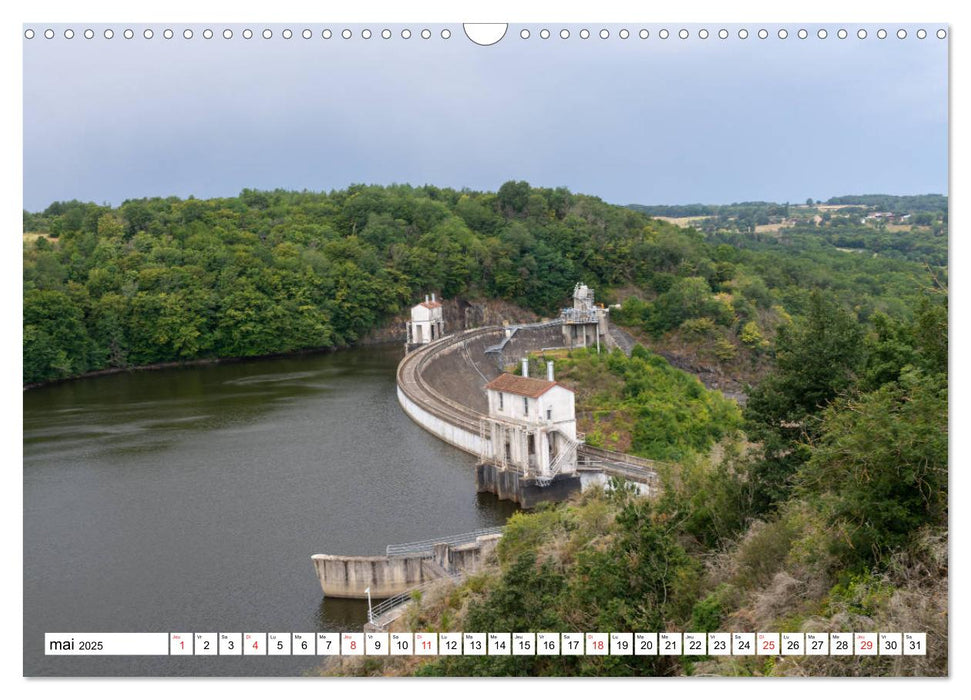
(773, 228)
(682, 221)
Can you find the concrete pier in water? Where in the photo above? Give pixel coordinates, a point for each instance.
(351, 576)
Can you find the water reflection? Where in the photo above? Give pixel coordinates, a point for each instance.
(340, 614)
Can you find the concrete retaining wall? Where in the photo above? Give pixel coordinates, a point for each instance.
(349, 576)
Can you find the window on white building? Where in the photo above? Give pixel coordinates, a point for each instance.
(549, 413)
(500, 400)
(525, 406)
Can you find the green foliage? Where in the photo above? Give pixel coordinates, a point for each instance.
(526, 533)
(637, 577)
(763, 551)
(698, 327)
(713, 500)
(643, 578)
(817, 359)
(860, 594)
(671, 414)
(269, 272)
(526, 599)
(159, 280)
(879, 468)
(895, 203)
(55, 341)
(724, 350)
(708, 613)
(752, 336)
(861, 226)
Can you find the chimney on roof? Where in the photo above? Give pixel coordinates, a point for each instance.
(549, 370)
(525, 367)
(433, 296)
(426, 298)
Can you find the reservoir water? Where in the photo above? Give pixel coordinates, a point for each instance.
(191, 500)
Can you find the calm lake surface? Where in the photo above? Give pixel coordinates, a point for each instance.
(191, 500)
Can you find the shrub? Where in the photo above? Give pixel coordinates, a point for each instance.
(698, 327)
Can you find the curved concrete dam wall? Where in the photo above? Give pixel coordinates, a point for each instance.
(448, 417)
(452, 434)
(440, 386)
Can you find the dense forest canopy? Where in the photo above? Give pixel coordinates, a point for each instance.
(167, 279)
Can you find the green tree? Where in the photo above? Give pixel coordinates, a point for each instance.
(513, 196)
(878, 470)
(817, 359)
(56, 343)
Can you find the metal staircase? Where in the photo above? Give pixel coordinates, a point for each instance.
(403, 598)
(566, 456)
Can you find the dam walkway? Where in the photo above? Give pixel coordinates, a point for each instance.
(440, 388)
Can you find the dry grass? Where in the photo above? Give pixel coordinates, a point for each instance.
(906, 228)
(32, 236)
(774, 228)
(683, 221)
(795, 594)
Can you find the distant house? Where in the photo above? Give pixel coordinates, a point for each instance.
(532, 425)
(427, 323)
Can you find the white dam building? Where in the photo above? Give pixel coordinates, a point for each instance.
(522, 429)
(531, 428)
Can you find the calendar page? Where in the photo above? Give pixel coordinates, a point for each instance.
(400, 346)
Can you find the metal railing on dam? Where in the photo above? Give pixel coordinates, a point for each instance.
(619, 463)
(427, 547)
(459, 425)
(413, 385)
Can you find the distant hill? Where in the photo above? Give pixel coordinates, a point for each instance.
(894, 203)
(898, 204)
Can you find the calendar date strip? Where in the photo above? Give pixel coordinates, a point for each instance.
(486, 644)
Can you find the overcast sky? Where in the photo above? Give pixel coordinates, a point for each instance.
(649, 121)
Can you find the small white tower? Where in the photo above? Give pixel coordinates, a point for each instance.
(584, 323)
(427, 323)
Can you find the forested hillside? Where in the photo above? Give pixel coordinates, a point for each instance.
(159, 280)
(828, 515)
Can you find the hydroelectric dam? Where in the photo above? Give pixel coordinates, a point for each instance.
(440, 387)
(449, 386)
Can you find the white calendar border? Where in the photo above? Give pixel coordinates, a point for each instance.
(505, 10)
